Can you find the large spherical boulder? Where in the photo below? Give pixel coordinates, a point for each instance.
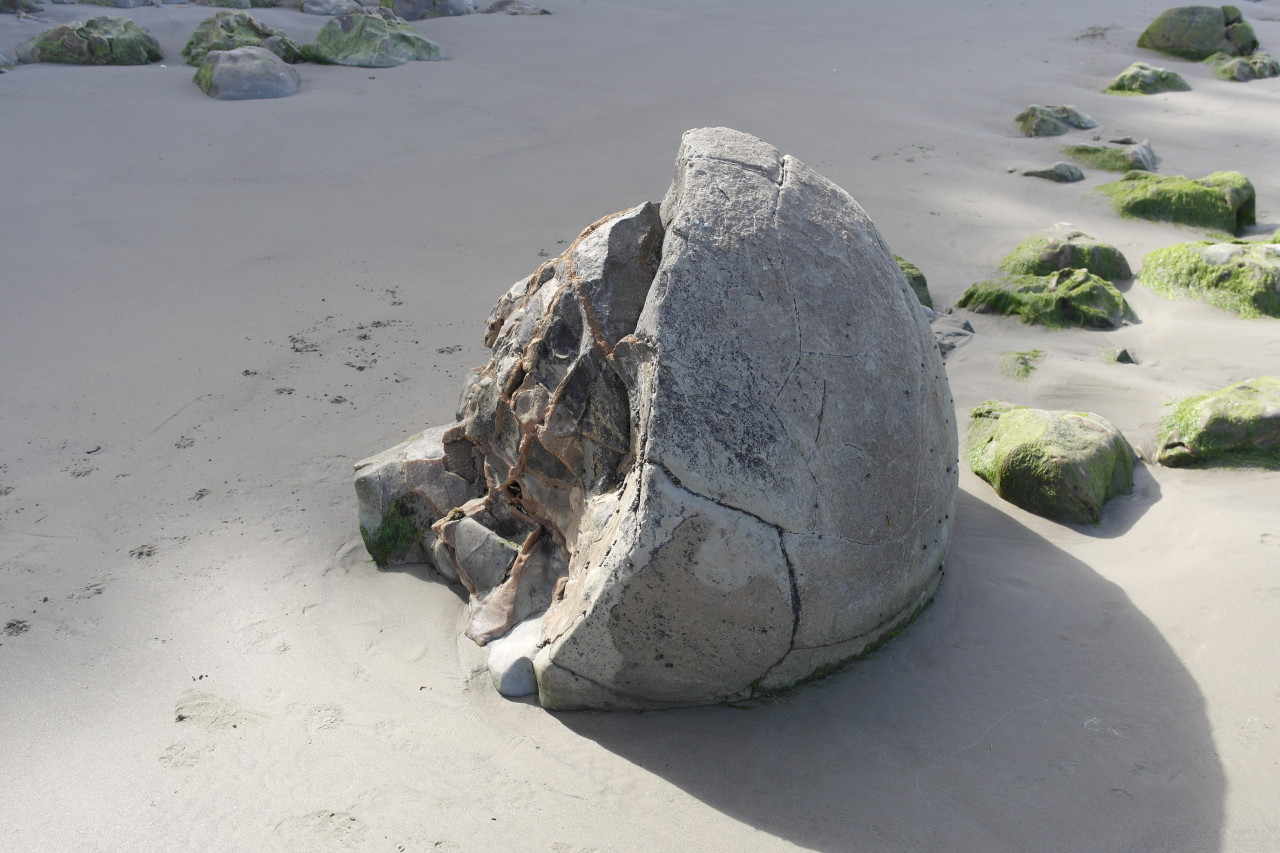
(1198, 32)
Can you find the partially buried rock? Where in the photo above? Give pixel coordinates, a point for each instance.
(416, 10)
(369, 38)
(1062, 173)
(1198, 32)
(916, 280)
(1243, 278)
(119, 4)
(514, 7)
(1223, 201)
(246, 73)
(1073, 297)
(108, 40)
(5, 62)
(1237, 425)
(238, 4)
(1141, 78)
(1138, 156)
(329, 7)
(1053, 120)
(229, 30)
(713, 453)
(1064, 248)
(1242, 69)
(1060, 465)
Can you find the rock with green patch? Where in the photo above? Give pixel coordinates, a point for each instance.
(1064, 248)
(1113, 158)
(915, 278)
(1061, 173)
(118, 4)
(1198, 32)
(1142, 78)
(1237, 425)
(1222, 201)
(14, 7)
(514, 7)
(1060, 465)
(416, 10)
(1052, 120)
(107, 40)
(1064, 298)
(237, 4)
(369, 38)
(5, 62)
(231, 29)
(246, 73)
(1242, 69)
(1243, 278)
(1020, 364)
(329, 7)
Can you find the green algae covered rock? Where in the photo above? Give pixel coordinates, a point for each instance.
(1141, 78)
(1223, 201)
(1242, 69)
(107, 40)
(1052, 120)
(1198, 32)
(228, 30)
(1113, 158)
(238, 4)
(1073, 297)
(1243, 278)
(416, 10)
(1237, 425)
(1059, 173)
(1064, 248)
(915, 278)
(369, 38)
(1060, 465)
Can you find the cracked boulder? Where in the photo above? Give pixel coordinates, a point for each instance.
(713, 453)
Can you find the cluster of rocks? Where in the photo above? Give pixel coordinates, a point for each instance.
(1217, 35)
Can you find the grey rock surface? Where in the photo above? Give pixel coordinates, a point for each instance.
(1061, 173)
(713, 452)
(369, 37)
(416, 10)
(329, 7)
(246, 73)
(514, 7)
(1052, 120)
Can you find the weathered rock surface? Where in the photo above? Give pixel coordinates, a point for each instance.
(713, 452)
(1243, 278)
(329, 7)
(1052, 120)
(1141, 78)
(369, 38)
(915, 280)
(1064, 248)
(514, 7)
(106, 40)
(1237, 425)
(14, 7)
(1139, 156)
(1198, 32)
(950, 331)
(1060, 465)
(1223, 201)
(231, 29)
(1070, 297)
(1242, 69)
(5, 62)
(238, 4)
(118, 4)
(246, 73)
(1062, 173)
(416, 10)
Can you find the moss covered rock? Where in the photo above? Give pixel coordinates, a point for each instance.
(1114, 158)
(108, 40)
(915, 278)
(370, 38)
(1059, 173)
(1059, 465)
(1064, 248)
(246, 73)
(1141, 78)
(416, 10)
(1242, 69)
(1243, 278)
(1198, 32)
(1223, 201)
(228, 30)
(1052, 120)
(1065, 298)
(1237, 425)
(237, 4)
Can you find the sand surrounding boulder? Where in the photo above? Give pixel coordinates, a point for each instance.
(369, 38)
(1222, 201)
(1240, 277)
(246, 73)
(1062, 247)
(1052, 120)
(714, 444)
(1060, 465)
(1198, 32)
(1069, 297)
(107, 40)
(1237, 425)
(231, 29)
(1142, 78)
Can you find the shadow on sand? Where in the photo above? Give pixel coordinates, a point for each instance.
(1031, 708)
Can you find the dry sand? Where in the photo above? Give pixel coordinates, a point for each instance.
(230, 302)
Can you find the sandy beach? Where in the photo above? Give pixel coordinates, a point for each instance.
(212, 309)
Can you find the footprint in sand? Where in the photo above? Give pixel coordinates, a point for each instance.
(261, 638)
(212, 712)
(178, 755)
(1272, 539)
(322, 830)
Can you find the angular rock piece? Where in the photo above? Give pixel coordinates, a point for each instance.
(1064, 248)
(916, 280)
(1223, 201)
(1061, 173)
(1141, 78)
(246, 73)
(1060, 465)
(107, 40)
(1237, 425)
(369, 38)
(1240, 277)
(1053, 120)
(1137, 156)
(713, 449)
(1198, 32)
(228, 30)
(1071, 297)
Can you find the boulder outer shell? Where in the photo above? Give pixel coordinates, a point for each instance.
(794, 470)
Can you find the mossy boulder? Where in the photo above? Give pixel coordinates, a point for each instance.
(1223, 201)
(1060, 465)
(13, 7)
(1073, 297)
(416, 10)
(246, 73)
(1243, 278)
(369, 38)
(1242, 69)
(1064, 248)
(1114, 158)
(1052, 120)
(237, 4)
(5, 62)
(107, 40)
(231, 29)
(118, 4)
(1198, 32)
(1142, 78)
(915, 278)
(1237, 425)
